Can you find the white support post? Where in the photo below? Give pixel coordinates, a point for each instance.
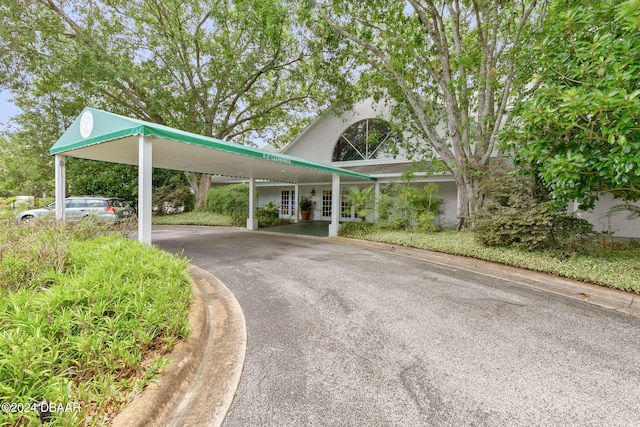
(335, 205)
(376, 192)
(296, 203)
(60, 185)
(252, 221)
(145, 159)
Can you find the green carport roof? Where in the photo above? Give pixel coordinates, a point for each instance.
(100, 135)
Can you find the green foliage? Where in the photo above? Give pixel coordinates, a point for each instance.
(87, 337)
(90, 177)
(231, 200)
(200, 218)
(427, 222)
(269, 215)
(401, 205)
(356, 229)
(359, 199)
(306, 203)
(519, 213)
(170, 199)
(449, 66)
(30, 253)
(235, 70)
(579, 131)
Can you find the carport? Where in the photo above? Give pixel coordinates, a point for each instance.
(108, 137)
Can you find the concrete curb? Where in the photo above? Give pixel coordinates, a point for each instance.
(621, 301)
(199, 384)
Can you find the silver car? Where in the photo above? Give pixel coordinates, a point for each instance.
(80, 207)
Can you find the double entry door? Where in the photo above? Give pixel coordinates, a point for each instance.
(287, 204)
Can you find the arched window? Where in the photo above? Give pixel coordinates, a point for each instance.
(365, 140)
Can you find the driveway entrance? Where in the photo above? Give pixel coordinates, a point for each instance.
(344, 336)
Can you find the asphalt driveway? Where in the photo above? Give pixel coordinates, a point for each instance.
(344, 336)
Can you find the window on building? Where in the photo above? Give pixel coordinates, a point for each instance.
(326, 203)
(346, 207)
(366, 140)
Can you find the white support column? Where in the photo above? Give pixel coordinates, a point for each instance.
(60, 185)
(252, 221)
(296, 203)
(335, 205)
(376, 192)
(145, 159)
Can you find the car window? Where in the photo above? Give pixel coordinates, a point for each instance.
(76, 203)
(92, 203)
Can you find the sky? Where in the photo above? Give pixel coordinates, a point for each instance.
(7, 109)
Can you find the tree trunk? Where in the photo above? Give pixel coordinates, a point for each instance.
(200, 184)
(469, 197)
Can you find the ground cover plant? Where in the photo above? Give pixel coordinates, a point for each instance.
(602, 262)
(88, 327)
(198, 218)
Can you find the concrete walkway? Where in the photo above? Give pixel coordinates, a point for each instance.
(350, 333)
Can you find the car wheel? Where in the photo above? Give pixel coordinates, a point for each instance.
(26, 219)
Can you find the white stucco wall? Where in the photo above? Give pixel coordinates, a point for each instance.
(317, 142)
(617, 223)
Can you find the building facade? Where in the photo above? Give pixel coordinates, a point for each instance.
(361, 140)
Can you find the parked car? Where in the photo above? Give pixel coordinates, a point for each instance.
(80, 207)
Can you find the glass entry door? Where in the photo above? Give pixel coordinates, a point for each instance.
(287, 204)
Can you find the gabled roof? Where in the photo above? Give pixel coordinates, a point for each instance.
(100, 135)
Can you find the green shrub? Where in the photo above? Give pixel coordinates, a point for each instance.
(402, 205)
(355, 229)
(269, 216)
(427, 222)
(169, 199)
(518, 212)
(232, 200)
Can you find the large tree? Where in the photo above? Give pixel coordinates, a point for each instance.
(451, 67)
(580, 131)
(236, 70)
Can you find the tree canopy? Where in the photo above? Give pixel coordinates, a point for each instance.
(451, 69)
(580, 131)
(236, 70)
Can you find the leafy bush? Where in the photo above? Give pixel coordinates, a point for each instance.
(394, 221)
(427, 222)
(402, 205)
(96, 334)
(358, 199)
(169, 199)
(518, 212)
(269, 216)
(357, 229)
(232, 200)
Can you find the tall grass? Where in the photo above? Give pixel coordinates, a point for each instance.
(93, 328)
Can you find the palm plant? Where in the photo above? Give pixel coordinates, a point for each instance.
(359, 198)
